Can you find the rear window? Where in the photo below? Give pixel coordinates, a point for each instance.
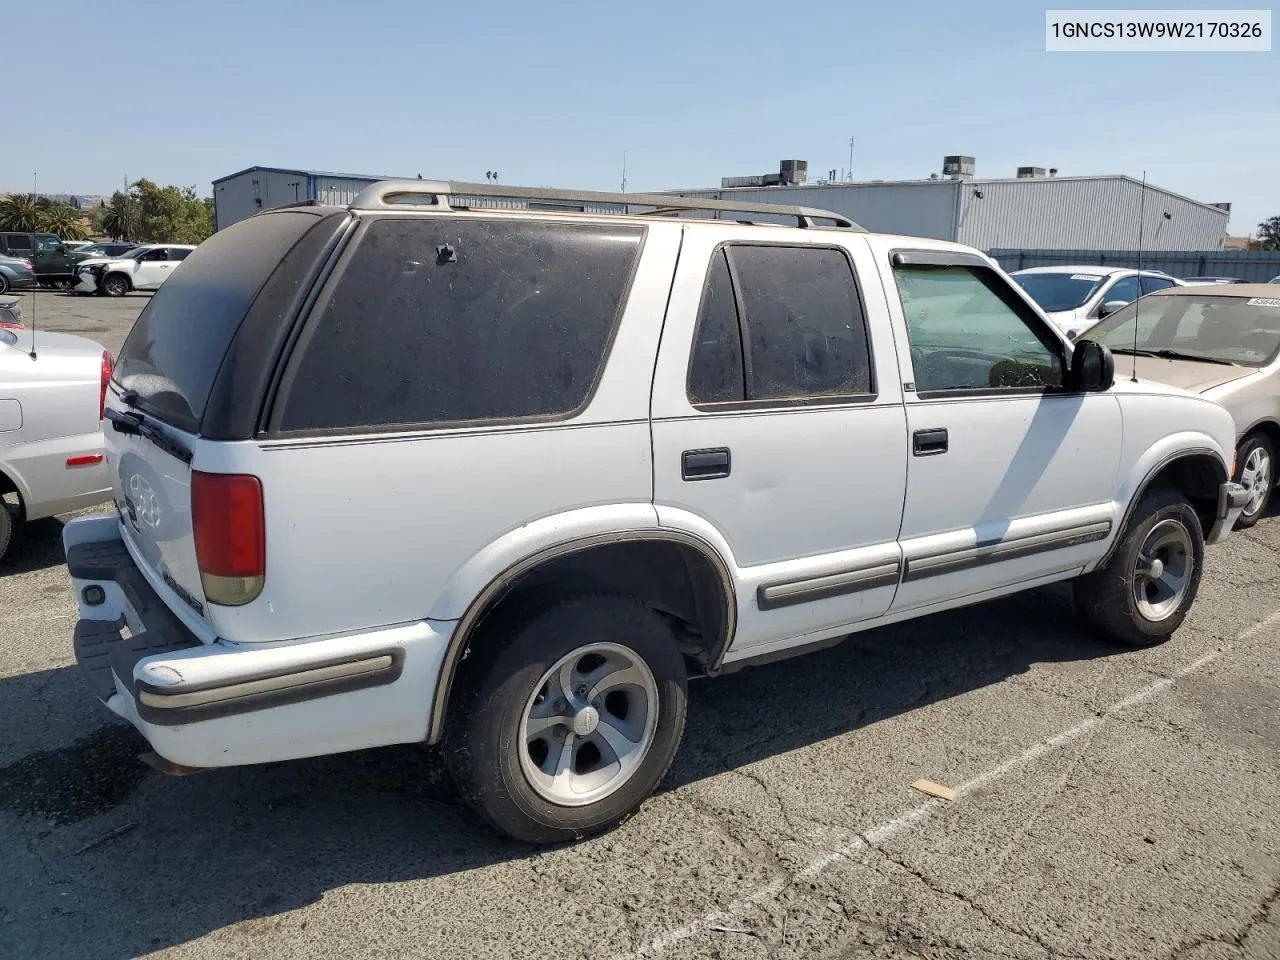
(445, 321)
(175, 348)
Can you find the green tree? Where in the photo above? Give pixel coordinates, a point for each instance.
(171, 214)
(120, 217)
(19, 212)
(1269, 233)
(63, 221)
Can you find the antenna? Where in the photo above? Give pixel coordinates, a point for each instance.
(35, 298)
(1137, 304)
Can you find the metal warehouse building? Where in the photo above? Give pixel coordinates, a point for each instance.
(246, 192)
(1030, 211)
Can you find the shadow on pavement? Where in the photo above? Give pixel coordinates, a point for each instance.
(196, 854)
(38, 547)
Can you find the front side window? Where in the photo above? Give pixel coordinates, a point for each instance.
(1125, 290)
(437, 321)
(158, 253)
(48, 244)
(1205, 327)
(966, 334)
(799, 311)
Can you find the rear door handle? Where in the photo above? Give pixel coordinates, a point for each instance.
(705, 464)
(929, 443)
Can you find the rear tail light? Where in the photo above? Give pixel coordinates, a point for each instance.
(230, 531)
(108, 367)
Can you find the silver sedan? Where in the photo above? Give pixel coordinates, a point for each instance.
(51, 456)
(1222, 341)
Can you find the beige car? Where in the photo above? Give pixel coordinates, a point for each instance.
(1221, 341)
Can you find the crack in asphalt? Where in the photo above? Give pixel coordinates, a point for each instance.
(1236, 939)
(1027, 935)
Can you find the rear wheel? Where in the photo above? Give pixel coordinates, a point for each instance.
(1141, 595)
(1255, 470)
(573, 721)
(115, 285)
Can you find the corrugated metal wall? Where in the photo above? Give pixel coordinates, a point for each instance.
(1255, 266)
(1097, 213)
(239, 197)
(918, 209)
(338, 191)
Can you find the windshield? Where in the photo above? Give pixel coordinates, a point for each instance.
(1058, 291)
(1215, 328)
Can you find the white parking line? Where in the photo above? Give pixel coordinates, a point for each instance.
(886, 831)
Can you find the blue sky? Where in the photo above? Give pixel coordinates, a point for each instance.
(552, 94)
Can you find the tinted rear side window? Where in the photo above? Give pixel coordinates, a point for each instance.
(179, 340)
(807, 334)
(437, 321)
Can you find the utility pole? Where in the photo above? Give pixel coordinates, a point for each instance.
(35, 183)
(850, 170)
(624, 171)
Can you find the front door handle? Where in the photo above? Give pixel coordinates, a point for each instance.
(705, 464)
(929, 443)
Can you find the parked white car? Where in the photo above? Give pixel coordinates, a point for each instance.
(1075, 298)
(426, 470)
(142, 268)
(52, 389)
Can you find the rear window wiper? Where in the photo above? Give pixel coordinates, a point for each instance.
(136, 424)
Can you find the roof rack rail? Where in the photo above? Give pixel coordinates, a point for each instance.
(454, 196)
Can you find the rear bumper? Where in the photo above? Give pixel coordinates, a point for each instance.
(225, 704)
(1232, 499)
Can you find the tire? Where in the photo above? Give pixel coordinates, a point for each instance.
(1109, 596)
(503, 770)
(4, 284)
(115, 285)
(8, 529)
(1256, 457)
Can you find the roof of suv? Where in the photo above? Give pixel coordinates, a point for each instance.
(446, 196)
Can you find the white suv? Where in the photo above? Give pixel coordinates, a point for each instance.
(431, 469)
(1075, 298)
(142, 268)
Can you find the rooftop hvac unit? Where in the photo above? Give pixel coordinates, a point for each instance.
(1223, 206)
(793, 171)
(957, 167)
(1030, 173)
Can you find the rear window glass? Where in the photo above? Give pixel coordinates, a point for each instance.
(437, 321)
(173, 352)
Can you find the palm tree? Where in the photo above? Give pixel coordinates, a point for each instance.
(62, 220)
(19, 213)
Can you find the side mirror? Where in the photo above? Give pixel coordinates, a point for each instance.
(1110, 307)
(1093, 368)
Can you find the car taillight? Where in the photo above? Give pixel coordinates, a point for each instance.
(108, 367)
(230, 529)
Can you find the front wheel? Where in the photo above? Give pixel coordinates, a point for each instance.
(4, 284)
(1255, 470)
(572, 723)
(1144, 591)
(115, 285)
